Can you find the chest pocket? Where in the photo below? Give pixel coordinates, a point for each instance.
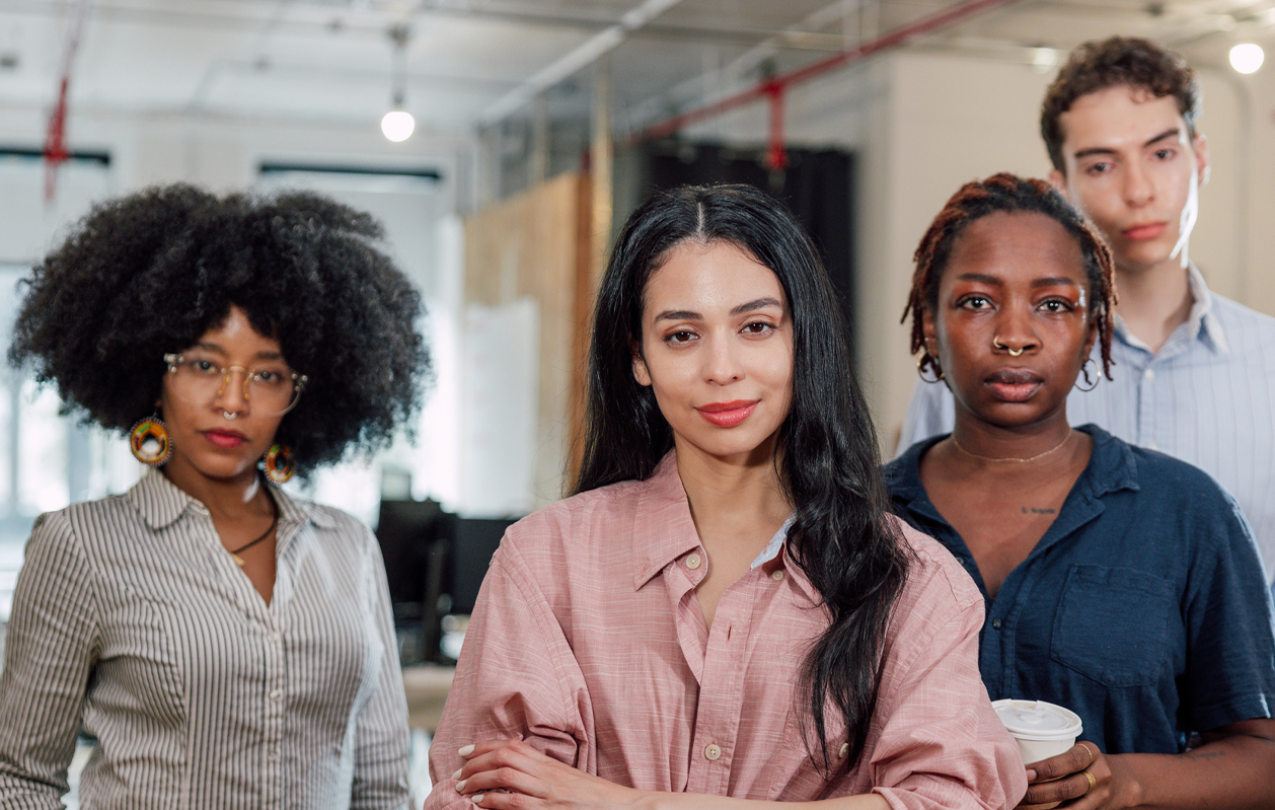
(1112, 625)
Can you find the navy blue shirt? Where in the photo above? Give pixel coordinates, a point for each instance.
(1144, 608)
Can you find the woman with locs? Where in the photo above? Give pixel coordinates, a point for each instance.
(1120, 583)
(226, 644)
(724, 614)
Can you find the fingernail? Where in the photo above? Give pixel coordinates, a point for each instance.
(457, 774)
(460, 786)
(477, 799)
(1031, 774)
(466, 751)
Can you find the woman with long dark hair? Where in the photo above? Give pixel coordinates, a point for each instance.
(1121, 583)
(724, 610)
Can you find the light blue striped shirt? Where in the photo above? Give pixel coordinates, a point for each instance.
(1207, 397)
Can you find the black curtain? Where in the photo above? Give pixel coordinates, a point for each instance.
(817, 186)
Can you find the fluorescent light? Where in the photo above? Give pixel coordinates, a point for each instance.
(1247, 57)
(398, 125)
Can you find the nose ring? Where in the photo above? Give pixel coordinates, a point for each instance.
(996, 344)
(229, 415)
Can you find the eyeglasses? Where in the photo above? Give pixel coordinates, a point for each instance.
(272, 388)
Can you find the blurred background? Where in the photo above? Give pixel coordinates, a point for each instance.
(535, 127)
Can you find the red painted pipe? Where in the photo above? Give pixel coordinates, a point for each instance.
(774, 88)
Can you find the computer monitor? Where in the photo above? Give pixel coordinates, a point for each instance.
(405, 532)
(474, 541)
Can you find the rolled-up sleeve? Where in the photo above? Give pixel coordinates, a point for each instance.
(516, 678)
(940, 743)
(49, 652)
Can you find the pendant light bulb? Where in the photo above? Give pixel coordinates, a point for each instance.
(398, 125)
(1247, 57)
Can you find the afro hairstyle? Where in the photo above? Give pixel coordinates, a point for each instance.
(151, 272)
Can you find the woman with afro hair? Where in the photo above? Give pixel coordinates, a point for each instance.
(227, 645)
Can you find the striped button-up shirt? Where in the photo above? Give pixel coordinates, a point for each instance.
(588, 642)
(1207, 397)
(131, 619)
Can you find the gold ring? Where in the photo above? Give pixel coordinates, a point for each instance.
(1088, 751)
(996, 344)
(1093, 783)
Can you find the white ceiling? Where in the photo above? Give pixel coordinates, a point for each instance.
(470, 62)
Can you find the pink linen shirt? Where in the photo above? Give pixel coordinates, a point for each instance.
(588, 643)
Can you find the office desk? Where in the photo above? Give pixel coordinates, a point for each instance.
(426, 686)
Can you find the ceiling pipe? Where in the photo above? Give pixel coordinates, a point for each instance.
(576, 59)
(55, 152)
(773, 89)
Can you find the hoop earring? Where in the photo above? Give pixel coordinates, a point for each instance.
(932, 364)
(1090, 383)
(279, 463)
(149, 441)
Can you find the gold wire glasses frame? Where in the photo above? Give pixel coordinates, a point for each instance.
(199, 380)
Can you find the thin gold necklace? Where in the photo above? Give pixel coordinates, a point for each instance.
(1054, 449)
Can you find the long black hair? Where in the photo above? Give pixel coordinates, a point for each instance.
(827, 448)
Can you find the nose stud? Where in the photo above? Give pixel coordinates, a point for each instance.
(996, 344)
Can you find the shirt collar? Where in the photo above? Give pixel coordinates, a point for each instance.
(1201, 324)
(160, 502)
(1111, 468)
(664, 530)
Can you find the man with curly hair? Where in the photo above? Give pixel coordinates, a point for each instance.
(1194, 372)
(228, 645)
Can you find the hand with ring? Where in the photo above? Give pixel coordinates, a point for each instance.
(1083, 778)
(512, 775)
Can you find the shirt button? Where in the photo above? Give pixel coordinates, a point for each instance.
(845, 749)
(276, 695)
(778, 575)
(996, 624)
(712, 752)
(693, 561)
(273, 755)
(1149, 375)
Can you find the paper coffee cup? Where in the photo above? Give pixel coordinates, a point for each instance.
(1042, 729)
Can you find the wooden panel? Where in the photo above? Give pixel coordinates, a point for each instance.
(529, 245)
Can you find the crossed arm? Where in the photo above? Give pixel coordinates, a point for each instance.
(511, 775)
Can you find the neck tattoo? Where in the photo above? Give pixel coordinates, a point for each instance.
(1050, 451)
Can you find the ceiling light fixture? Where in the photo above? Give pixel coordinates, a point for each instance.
(398, 124)
(1247, 57)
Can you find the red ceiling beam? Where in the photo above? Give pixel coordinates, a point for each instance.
(775, 88)
(55, 151)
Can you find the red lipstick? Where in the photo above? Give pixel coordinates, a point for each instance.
(1143, 231)
(224, 438)
(727, 414)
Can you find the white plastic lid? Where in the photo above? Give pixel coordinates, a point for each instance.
(1037, 720)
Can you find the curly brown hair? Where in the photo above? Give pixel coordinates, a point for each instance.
(1006, 192)
(149, 273)
(1136, 63)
